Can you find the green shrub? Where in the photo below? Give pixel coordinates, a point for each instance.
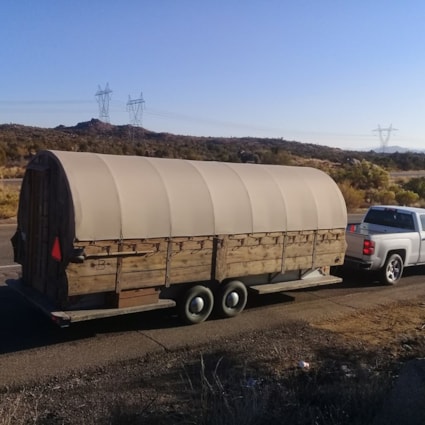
(406, 197)
(386, 197)
(417, 184)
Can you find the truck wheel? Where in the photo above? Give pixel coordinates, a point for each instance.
(392, 270)
(196, 305)
(231, 298)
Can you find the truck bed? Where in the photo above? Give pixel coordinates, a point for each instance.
(356, 233)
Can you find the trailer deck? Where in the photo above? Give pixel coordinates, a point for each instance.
(66, 317)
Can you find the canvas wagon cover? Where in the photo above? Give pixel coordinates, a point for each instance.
(126, 197)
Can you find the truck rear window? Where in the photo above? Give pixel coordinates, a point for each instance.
(390, 218)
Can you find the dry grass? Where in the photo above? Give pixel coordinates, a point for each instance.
(220, 394)
(9, 199)
(323, 396)
(11, 172)
(17, 409)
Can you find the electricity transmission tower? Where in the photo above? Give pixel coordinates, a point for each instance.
(103, 97)
(384, 135)
(135, 109)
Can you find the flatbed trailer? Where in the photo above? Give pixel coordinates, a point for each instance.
(66, 317)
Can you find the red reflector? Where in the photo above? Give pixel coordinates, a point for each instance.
(368, 247)
(352, 228)
(56, 250)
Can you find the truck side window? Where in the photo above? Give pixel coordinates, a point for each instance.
(422, 217)
(406, 221)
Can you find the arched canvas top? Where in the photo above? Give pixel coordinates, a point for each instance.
(127, 197)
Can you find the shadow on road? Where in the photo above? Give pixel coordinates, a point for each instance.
(23, 327)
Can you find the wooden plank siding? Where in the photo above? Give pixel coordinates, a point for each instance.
(139, 268)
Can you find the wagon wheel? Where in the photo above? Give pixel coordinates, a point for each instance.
(196, 305)
(231, 298)
(391, 273)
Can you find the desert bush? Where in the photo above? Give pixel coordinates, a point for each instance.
(406, 197)
(386, 197)
(417, 184)
(2, 155)
(275, 156)
(354, 198)
(363, 175)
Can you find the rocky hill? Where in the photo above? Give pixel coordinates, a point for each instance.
(19, 142)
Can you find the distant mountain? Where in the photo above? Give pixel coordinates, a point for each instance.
(394, 149)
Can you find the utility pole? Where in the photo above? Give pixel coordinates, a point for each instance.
(103, 97)
(384, 135)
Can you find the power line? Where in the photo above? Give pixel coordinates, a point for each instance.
(45, 102)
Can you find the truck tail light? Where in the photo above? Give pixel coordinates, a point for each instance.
(368, 247)
(56, 250)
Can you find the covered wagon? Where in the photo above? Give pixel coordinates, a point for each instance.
(100, 235)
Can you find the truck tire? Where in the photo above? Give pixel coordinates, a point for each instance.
(392, 271)
(196, 305)
(231, 299)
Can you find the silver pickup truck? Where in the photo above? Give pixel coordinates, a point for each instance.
(388, 239)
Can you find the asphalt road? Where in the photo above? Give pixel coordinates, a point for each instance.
(31, 348)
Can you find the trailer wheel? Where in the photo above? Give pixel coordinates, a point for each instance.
(231, 299)
(391, 273)
(196, 305)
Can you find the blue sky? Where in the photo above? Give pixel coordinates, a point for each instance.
(315, 71)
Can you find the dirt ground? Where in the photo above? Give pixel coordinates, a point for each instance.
(329, 372)
(383, 327)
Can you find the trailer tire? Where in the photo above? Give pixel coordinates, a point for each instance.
(196, 305)
(391, 272)
(231, 298)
